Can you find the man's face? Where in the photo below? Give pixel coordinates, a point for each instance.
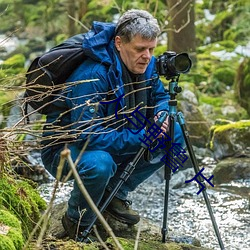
(137, 53)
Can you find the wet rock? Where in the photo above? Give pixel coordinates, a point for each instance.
(197, 125)
(232, 169)
(149, 233)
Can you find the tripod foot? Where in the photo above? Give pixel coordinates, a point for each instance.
(164, 232)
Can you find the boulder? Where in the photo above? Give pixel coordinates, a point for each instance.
(149, 238)
(230, 139)
(232, 169)
(197, 125)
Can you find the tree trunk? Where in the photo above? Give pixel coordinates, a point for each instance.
(71, 6)
(83, 7)
(181, 27)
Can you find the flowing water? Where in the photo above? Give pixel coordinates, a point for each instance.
(187, 211)
(188, 214)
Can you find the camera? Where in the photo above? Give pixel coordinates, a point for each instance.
(171, 65)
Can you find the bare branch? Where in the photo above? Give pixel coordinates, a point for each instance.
(66, 154)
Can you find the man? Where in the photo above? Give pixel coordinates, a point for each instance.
(121, 70)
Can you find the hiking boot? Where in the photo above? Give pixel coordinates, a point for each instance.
(75, 231)
(121, 211)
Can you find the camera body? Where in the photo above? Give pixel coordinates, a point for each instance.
(171, 65)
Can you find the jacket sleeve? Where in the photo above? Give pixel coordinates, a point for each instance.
(88, 118)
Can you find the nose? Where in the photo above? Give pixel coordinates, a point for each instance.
(146, 54)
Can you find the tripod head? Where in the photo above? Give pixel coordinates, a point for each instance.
(174, 89)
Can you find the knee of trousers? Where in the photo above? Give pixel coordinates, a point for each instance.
(98, 165)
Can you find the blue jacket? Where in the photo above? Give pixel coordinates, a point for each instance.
(87, 119)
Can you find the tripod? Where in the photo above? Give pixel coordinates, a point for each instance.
(173, 90)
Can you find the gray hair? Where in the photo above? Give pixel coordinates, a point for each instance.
(137, 22)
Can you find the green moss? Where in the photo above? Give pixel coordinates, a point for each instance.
(219, 102)
(60, 38)
(13, 239)
(236, 125)
(173, 246)
(225, 75)
(242, 84)
(9, 219)
(6, 243)
(16, 61)
(21, 199)
(13, 71)
(91, 247)
(128, 244)
(16, 237)
(160, 49)
(228, 45)
(212, 100)
(220, 132)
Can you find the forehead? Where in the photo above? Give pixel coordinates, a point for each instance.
(140, 41)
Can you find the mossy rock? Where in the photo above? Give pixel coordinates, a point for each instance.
(231, 139)
(219, 107)
(150, 235)
(21, 199)
(224, 75)
(128, 244)
(11, 237)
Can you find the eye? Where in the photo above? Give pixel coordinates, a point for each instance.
(151, 50)
(140, 49)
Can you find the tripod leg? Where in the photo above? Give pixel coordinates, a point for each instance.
(181, 121)
(167, 177)
(164, 229)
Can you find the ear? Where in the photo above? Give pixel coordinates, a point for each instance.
(118, 42)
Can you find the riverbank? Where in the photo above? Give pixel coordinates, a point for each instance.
(188, 216)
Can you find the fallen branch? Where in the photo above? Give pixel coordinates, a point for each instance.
(65, 154)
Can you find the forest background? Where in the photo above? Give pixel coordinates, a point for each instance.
(214, 33)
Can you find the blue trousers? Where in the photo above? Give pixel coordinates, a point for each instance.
(99, 170)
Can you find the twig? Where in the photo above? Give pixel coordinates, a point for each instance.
(99, 238)
(66, 154)
(137, 236)
(77, 21)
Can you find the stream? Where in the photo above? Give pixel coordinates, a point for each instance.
(187, 212)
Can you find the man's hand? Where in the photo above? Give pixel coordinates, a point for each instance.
(165, 124)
